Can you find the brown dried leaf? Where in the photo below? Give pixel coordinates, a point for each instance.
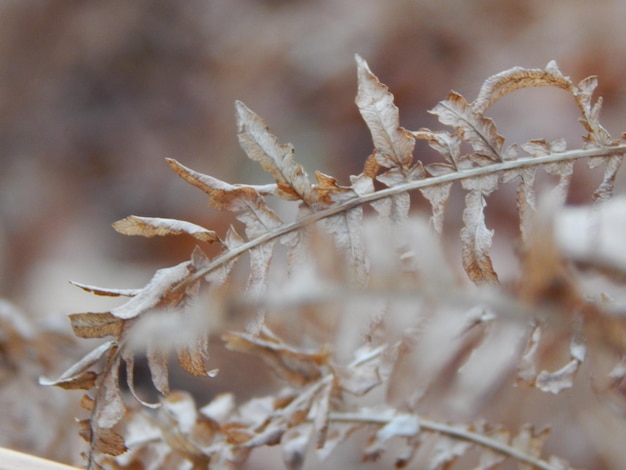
(438, 196)
(297, 367)
(263, 147)
(79, 375)
(516, 78)
(597, 135)
(394, 144)
(96, 325)
(106, 291)
(109, 406)
(129, 359)
(109, 442)
(527, 371)
(246, 200)
(158, 292)
(157, 363)
(359, 379)
(446, 144)
(157, 226)
(347, 230)
(480, 132)
(193, 357)
(475, 236)
(605, 190)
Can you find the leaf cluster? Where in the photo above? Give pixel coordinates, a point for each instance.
(404, 335)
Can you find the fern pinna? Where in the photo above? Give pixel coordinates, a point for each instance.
(391, 345)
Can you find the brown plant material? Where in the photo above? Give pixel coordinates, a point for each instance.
(460, 346)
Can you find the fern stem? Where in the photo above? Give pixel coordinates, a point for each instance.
(455, 432)
(508, 165)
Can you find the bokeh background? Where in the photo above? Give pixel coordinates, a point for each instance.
(94, 96)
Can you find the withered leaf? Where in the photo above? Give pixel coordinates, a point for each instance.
(157, 363)
(78, 376)
(475, 236)
(516, 78)
(129, 359)
(157, 226)
(109, 407)
(193, 357)
(157, 292)
(292, 365)
(479, 131)
(96, 325)
(277, 159)
(109, 442)
(394, 144)
(106, 291)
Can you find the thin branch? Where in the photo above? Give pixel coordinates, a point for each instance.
(455, 432)
(524, 162)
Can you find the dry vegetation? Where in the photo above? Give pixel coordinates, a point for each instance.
(356, 307)
(438, 303)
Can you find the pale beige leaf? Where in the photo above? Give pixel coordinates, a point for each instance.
(96, 325)
(597, 135)
(129, 360)
(527, 371)
(155, 292)
(79, 374)
(158, 365)
(394, 208)
(109, 404)
(446, 144)
(321, 413)
(157, 226)
(106, 291)
(223, 195)
(194, 356)
(219, 408)
(480, 132)
(403, 425)
(559, 380)
(260, 259)
(438, 196)
(605, 190)
(394, 144)
(347, 231)
(298, 367)
(360, 379)
(475, 236)
(277, 159)
(503, 83)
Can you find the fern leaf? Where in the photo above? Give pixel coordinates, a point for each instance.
(503, 83)
(474, 128)
(157, 226)
(277, 159)
(394, 144)
(159, 291)
(475, 236)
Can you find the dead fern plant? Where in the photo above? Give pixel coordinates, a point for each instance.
(355, 305)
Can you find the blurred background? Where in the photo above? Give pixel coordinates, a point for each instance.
(94, 96)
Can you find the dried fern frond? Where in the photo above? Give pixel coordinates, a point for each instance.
(406, 334)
